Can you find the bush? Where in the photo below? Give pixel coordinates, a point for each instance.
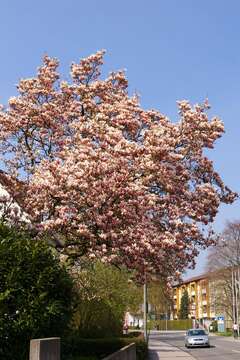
(133, 334)
(74, 347)
(183, 324)
(35, 293)
(214, 326)
(83, 358)
(96, 318)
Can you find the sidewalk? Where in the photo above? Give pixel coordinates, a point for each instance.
(228, 338)
(163, 351)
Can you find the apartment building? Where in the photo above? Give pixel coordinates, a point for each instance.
(198, 289)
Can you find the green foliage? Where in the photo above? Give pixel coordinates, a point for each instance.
(170, 324)
(75, 346)
(159, 297)
(105, 294)
(184, 307)
(132, 334)
(225, 333)
(35, 293)
(214, 326)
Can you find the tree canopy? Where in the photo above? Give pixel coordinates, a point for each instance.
(104, 177)
(104, 295)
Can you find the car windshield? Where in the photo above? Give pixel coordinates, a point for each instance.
(196, 332)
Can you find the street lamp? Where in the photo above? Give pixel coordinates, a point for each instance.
(145, 309)
(235, 295)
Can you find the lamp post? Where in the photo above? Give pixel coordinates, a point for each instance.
(145, 309)
(235, 296)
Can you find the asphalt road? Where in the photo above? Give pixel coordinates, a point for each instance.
(222, 348)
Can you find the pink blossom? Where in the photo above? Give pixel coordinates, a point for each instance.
(112, 180)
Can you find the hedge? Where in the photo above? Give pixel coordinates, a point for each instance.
(184, 324)
(74, 347)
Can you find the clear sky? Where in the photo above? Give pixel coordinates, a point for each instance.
(172, 50)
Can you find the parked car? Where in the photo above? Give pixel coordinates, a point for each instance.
(196, 337)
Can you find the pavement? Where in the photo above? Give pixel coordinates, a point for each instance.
(163, 351)
(226, 338)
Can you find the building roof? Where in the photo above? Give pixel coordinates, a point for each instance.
(191, 279)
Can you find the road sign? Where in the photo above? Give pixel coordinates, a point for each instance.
(220, 323)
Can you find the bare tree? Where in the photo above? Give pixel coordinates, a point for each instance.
(223, 266)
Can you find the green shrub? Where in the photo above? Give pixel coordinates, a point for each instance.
(83, 358)
(96, 318)
(214, 325)
(141, 345)
(35, 293)
(133, 334)
(74, 347)
(183, 324)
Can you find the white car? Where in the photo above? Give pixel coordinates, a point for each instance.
(196, 337)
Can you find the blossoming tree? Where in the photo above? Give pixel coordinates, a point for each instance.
(106, 178)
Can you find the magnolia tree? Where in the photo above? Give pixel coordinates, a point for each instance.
(104, 177)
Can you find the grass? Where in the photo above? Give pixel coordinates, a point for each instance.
(226, 333)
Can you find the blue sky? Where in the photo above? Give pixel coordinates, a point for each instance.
(171, 49)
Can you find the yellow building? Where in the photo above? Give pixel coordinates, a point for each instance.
(199, 298)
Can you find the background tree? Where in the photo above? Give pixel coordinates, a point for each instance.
(222, 260)
(107, 179)
(104, 295)
(184, 306)
(35, 293)
(159, 296)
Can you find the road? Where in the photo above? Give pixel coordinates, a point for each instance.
(222, 348)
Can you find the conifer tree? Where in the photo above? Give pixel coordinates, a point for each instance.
(183, 314)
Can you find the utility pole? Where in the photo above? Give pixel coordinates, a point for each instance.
(166, 319)
(238, 272)
(145, 309)
(233, 299)
(236, 296)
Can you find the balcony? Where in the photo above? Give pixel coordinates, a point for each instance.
(175, 307)
(175, 297)
(193, 292)
(204, 302)
(205, 315)
(212, 314)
